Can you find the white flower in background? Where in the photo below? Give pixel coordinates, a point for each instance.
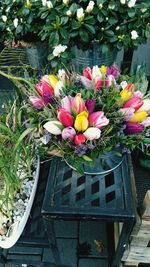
(8, 29)
(131, 3)
(15, 22)
(58, 50)
(4, 18)
(90, 6)
(80, 13)
(134, 35)
(21, 20)
(7, 9)
(49, 4)
(122, 2)
(117, 28)
(100, 6)
(69, 13)
(62, 75)
(65, 2)
(44, 2)
(92, 133)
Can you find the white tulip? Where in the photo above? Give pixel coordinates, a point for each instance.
(131, 3)
(123, 84)
(54, 127)
(145, 106)
(96, 72)
(92, 133)
(80, 13)
(65, 2)
(134, 35)
(15, 22)
(58, 88)
(4, 18)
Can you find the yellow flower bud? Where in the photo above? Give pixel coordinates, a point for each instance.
(103, 69)
(125, 95)
(81, 121)
(139, 116)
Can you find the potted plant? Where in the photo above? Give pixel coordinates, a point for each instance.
(82, 118)
(19, 171)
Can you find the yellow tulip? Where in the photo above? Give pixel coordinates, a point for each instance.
(52, 80)
(139, 116)
(81, 121)
(125, 95)
(103, 69)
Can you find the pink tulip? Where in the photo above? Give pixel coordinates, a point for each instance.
(68, 133)
(78, 104)
(127, 113)
(37, 102)
(134, 102)
(133, 128)
(86, 82)
(65, 117)
(138, 94)
(88, 73)
(79, 139)
(98, 82)
(66, 103)
(98, 120)
(45, 91)
(110, 80)
(146, 122)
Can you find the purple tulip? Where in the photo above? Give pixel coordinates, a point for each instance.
(90, 105)
(68, 133)
(66, 103)
(112, 70)
(37, 102)
(133, 128)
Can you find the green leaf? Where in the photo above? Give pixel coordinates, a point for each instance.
(76, 25)
(86, 158)
(54, 39)
(100, 18)
(22, 136)
(90, 28)
(84, 36)
(109, 33)
(147, 31)
(64, 33)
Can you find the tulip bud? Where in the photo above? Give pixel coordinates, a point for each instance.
(37, 102)
(146, 122)
(145, 106)
(98, 120)
(79, 139)
(81, 121)
(90, 105)
(68, 133)
(133, 128)
(65, 117)
(78, 104)
(86, 82)
(52, 80)
(110, 80)
(127, 113)
(92, 133)
(54, 127)
(98, 82)
(127, 92)
(88, 73)
(96, 72)
(45, 91)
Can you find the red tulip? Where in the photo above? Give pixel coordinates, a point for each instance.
(98, 120)
(37, 102)
(45, 91)
(98, 82)
(130, 87)
(134, 102)
(133, 128)
(88, 73)
(65, 117)
(79, 139)
(78, 104)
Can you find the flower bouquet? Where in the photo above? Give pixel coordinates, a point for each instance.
(82, 117)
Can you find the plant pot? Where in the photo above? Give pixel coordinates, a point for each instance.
(37, 56)
(16, 229)
(144, 160)
(103, 165)
(92, 57)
